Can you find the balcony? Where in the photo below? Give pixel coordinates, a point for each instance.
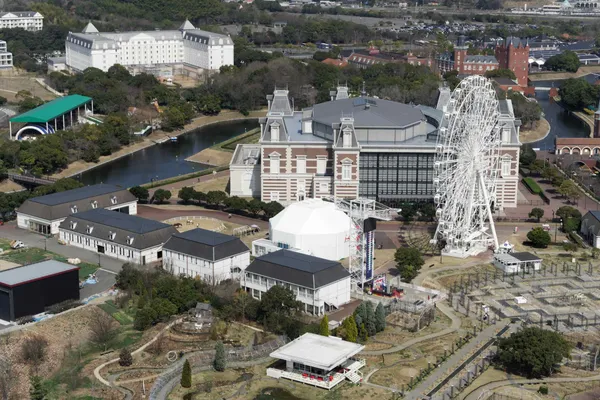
(347, 370)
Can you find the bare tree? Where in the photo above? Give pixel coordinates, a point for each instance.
(6, 377)
(33, 350)
(103, 328)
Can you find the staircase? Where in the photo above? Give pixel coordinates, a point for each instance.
(354, 377)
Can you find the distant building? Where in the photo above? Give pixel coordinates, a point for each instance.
(320, 285)
(335, 62)
(44, 214)
(30, 289)
(122, 236)
(513, 263)
(6, 57)
(207, 255)
(512, 54)
(192, 49)
(366, 58)
(28, 20)
(56, 64)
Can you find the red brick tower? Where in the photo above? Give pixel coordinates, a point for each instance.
(460, 53)
(513, 54)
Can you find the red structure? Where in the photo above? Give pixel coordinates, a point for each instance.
(513, 54)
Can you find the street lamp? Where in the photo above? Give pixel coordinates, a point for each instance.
(556, 230)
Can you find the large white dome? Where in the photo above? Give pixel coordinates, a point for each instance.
(313, 225)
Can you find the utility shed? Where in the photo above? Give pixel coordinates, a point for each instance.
(30, 289)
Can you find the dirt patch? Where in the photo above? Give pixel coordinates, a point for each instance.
(582, 71)
(212, 224)
(212, 157)
(10, 85)
(220, 183)
(7, 186)
(4, 265)
(537, 133)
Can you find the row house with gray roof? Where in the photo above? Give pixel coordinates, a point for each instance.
(189, 48)
(210, 256)
(122, 236)
(44, 214)
(28, 20)
(355, 147)
(320, 285)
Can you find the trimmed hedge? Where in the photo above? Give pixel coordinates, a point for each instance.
(532, 186)
(577, 239)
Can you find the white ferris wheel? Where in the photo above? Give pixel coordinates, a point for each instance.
(466, 169)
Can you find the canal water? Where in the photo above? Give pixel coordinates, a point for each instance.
(562, 123)
(167, 159)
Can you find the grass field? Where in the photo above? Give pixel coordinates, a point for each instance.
(249, 137)
(121, 316)
(10, 85)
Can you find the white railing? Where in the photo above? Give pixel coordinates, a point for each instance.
(274, 373)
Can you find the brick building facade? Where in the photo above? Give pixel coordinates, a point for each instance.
(356, 147)
(513, 54)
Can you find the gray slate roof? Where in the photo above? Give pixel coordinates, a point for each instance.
(480, 59)
(146, 233)
(27, 273)
(58, 205)
(20, 14)
(368, 112)
(205, 244)
(299, 269)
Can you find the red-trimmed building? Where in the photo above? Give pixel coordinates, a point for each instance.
(366, 58)
(513, 54)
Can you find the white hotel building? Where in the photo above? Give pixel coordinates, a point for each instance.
(28, 20)
(186, 47)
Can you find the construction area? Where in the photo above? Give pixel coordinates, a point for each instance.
(564, 297)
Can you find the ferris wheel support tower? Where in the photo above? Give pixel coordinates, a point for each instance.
(363, 213)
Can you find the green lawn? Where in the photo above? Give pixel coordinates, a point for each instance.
(251, 136)
(120, 315)
(32, 255)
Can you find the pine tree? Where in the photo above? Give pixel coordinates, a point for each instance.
(186, 375)
(219, 362)
(361, 311)
(370, 320)
(363, 334)
(350, 330)
(324, 327)
(125, 358)
(380, 317)
(37, 391)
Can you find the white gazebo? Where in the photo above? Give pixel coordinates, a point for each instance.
(322, 361)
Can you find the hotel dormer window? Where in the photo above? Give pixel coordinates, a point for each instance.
(94, 204)
(73, 224)
(89, 229)
(112, 235)
(113, 199)
(275, 132)
(73, 209)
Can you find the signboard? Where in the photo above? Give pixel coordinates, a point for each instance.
(369, 247)
(380, 282)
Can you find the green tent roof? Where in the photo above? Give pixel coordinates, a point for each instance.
(52, 109)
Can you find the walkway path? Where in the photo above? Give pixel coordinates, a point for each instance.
(140, 349)
(454, 361)
(453, 328)
(174, 187)
(474, 395)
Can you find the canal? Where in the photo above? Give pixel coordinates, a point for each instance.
(167, 159)
(562, 123)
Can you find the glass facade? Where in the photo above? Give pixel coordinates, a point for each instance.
(395, 178)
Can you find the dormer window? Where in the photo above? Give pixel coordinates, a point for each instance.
(73, 224)
(347, 138)
(112, 235)
(89, 229)
(73, 209)
(113, 199)
(94, 204)
(275, 132)
(129, 240)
